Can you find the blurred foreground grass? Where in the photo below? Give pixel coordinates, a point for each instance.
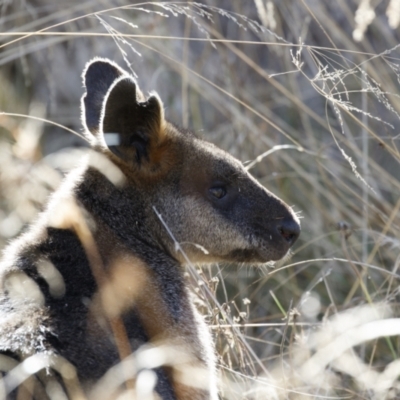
(307, 94)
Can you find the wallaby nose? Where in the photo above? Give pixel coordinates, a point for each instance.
(289, 230)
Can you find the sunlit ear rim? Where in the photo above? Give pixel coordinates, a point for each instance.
(97, 77)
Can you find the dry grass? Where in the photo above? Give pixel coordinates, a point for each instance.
(316, 110)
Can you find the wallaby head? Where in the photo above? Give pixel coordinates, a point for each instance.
(213, 207)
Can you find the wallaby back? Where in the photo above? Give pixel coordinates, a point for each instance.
(99, 275)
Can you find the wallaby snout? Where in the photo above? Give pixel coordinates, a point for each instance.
(287, 231)
(276, 229)
(290, 230)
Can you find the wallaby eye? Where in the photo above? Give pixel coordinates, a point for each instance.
(218, 192)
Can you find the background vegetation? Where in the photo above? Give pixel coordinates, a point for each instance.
(306, 93)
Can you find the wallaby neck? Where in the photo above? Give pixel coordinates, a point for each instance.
(121, 209)
(121, 234)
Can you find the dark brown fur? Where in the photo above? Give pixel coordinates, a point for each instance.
(98, 276)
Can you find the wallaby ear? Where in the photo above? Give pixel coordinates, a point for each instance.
(132, 125)
(98, 76)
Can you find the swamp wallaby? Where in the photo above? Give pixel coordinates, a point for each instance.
(99, 275)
